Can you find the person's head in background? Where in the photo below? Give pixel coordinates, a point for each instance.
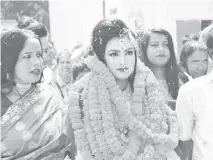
(64, 65)
(21, 57)
(194, 58)
(158, 54)
(79, 69)
(36, 6)
(190, 37)
(41, 31)
(206, 37)
(23, 14)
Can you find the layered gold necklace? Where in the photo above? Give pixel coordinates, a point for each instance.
(22, 88)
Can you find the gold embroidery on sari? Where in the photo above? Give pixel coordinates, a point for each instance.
(15, 109)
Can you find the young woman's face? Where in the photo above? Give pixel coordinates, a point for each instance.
(158, 52)
(64, 65)
(197, 63)
(29, 66)
(120, 57)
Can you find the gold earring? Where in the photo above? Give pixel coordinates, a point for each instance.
(8, 76)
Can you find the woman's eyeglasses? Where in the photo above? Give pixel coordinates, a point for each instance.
(196, 63)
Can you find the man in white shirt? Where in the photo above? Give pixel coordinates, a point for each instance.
(195, 112)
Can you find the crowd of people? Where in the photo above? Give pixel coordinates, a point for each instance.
(123, 97)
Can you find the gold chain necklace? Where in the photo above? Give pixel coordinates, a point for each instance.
(21, 89)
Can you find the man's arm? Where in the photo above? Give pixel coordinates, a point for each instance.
(184, 108)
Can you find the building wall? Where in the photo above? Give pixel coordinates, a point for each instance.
(167, 14)
(73, 20)
(8, 24)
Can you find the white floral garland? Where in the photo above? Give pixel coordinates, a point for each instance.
(153, 128)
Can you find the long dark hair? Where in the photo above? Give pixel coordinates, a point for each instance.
(12, 43)
(104, 31)
(171, 66)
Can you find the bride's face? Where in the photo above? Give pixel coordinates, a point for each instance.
(120, 57)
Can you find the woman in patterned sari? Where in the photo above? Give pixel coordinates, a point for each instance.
(33, 118)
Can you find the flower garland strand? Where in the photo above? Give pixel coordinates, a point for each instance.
(75, 117)
(120, 151)
(89, 123)
(146, 118)
(95, 116)
(153, 91)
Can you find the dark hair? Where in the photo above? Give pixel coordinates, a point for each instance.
(104, 31)
(188, 49)
(206, 36)
(78, 68)
(190, 37)
(30, 24)
(171, 66)
(25, 21)
(12, 43)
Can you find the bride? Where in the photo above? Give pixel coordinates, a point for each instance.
(117, 110)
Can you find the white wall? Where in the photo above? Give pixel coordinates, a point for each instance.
(164, 13)
(73, 20)
(8, 24)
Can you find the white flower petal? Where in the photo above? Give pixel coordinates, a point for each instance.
(20, 126)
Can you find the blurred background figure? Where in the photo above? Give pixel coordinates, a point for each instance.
(64, 72)
(41, 15)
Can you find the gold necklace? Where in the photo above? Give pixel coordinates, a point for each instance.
(21, 88)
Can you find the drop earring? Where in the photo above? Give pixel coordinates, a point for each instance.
(8, 76)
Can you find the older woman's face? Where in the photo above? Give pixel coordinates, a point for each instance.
(197, 63)
(64, 65)
(158, 52)
(29, 66)
(120, 57)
